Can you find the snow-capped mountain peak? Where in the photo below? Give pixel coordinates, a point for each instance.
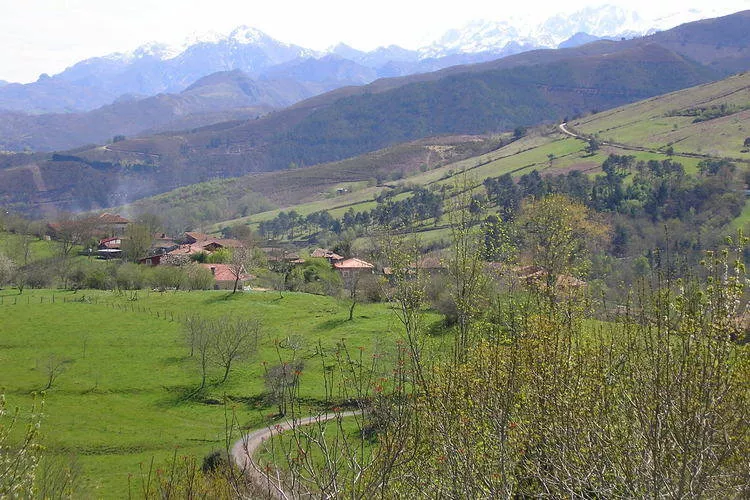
(247, 35)
(157, 50)
(603, 21)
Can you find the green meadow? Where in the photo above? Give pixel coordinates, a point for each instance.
(122, 397)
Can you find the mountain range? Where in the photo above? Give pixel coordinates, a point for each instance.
(156, 68)
(487, 98)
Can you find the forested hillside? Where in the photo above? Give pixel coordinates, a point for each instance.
(491, 97)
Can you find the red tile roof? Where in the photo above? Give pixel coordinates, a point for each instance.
(107, 218)
(223, 272)
(197, 236)
(326, 254)
(353, 264)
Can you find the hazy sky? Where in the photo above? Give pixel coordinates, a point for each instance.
(46, 36)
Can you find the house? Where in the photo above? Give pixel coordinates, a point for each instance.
(537, 276)
(323, 253)
(113, 224)
(278, 258)
(104, 225)
(205, 240)
(224, 277)
(194, 237)
(210, 245)
(350, 267)
(153, 260)
(430, 264)
(115, 242)
(110, 248)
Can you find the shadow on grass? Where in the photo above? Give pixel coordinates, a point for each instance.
(253, 402)
(331, 324)
(175, 360)
(182, 394)
(223, 297)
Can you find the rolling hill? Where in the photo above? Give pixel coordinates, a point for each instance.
(491, 97)
(641, 129)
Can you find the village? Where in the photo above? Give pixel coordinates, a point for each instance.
(231, 262)
(227, 259)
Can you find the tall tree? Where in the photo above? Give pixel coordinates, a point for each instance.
(465, 263)
(136, 241)
(558, 233)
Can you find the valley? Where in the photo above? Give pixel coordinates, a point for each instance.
(521, 276)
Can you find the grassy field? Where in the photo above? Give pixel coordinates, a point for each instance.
(10, 244)
(656, 123)
(121, 399)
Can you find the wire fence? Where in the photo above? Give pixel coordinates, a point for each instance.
(162, 314)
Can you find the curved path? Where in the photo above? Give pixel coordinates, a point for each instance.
(245, 447)
(628, 147)
(564, 129)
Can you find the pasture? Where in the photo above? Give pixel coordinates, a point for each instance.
(125, 391)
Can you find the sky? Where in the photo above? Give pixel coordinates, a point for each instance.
(46, 36)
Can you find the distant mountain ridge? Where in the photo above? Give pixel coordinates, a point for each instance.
(219, 97)
(156, 68)
(520, 90)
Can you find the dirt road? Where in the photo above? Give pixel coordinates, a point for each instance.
(244, 449)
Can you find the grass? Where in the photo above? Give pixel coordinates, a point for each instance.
(656, 123)
(121, 399)
(40, 249)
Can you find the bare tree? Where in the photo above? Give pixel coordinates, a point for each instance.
(220, 343)
(198, 337)
(7, 270)
(351, 285)
(234, 340)
(238, 264)
(54, 366)
(70, 232)
(243, 259)
(281, 382)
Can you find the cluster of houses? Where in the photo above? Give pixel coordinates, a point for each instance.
(165, 250)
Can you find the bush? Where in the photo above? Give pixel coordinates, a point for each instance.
(314, 276)
(215, 461)
(439, 298)
(168, 278)
(221, 256)
(198, 277)
(130, 276)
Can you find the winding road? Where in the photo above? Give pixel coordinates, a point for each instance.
(628, 147)
(244, 448)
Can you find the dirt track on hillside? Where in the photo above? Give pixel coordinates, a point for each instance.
(244, 448)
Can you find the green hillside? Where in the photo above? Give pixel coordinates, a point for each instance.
(634, 129)
(709, 120)
(524, 90)
(644, 129)
(123, 395)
